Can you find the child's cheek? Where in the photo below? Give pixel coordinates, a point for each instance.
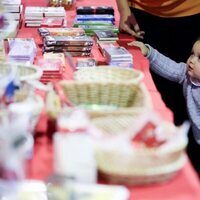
(197, 71)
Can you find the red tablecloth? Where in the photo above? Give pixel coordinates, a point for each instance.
(185, 186)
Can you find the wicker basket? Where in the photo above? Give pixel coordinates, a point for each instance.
(140, 167)
(25, 72)
(106, 74)
(150, 176)
(124, 96)
(128, 99)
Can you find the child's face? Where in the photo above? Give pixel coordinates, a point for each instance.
(193, 61)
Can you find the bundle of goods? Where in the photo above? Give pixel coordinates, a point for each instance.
(118, 56)
(14, 8)
(93, 22)
(22, 50)
(152, 152)
(76, 46)
(48, 16)
(53, 66)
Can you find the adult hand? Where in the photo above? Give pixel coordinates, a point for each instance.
(144, 49)
(128, 23)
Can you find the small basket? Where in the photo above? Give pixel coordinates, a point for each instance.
(156, 175)
(140, 167)
(129, 101)
(29, 72)
(106, 74)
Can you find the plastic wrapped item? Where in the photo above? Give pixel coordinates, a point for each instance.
(74, 157)
(17, 145)
(87, 192)
(23, 190)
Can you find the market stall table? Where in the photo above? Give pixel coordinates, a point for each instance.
(184, 186)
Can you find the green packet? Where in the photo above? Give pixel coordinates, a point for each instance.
(93, 23)
(89, 28)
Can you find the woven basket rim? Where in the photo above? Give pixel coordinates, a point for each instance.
(147, 100)
(138, 79)
(155, 171)
(36, 75)
(148, 151)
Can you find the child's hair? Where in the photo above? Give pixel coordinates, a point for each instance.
(198, 39)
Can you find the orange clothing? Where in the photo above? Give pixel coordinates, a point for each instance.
(167, 8)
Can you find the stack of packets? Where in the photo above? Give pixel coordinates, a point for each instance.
(45, 16)
(22, 50)
(118, 56)
(93, 22)
(106, 35)
(103, 44)
(53, 65)
(14, 8)
(75, 45)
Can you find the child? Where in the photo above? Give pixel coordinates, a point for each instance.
(187, 74)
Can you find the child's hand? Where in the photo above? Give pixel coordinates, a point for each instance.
(144, 49)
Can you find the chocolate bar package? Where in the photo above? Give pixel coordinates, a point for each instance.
(85, 10)
(95, 17)
(93, 23)
(68, 40)
(52, 22)
(67, 48)
(90, 30)
(104, 10)
(55, 56)
(103, 44)
(61, 31)
(79, 54)
(117, 52)
(86, 62)
(106, 35)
